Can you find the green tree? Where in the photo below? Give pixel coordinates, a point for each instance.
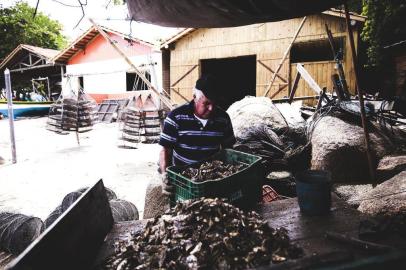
(385, 25)
(18, 26)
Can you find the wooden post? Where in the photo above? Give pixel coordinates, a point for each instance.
(343, 82)
(337, 87)
(49, 90)
(320, 102)
(360, 95)
(294, 87)
(10, 114)
(284, 57)
(165, 100)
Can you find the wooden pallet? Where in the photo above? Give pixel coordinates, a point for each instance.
(109, 107)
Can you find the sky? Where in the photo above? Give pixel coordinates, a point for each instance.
(100, 10)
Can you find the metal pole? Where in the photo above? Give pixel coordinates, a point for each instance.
(49, 90)
(10, 114)
(360, 96)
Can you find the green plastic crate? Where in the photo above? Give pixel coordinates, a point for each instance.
(242, 189)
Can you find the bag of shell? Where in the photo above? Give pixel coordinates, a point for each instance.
(123, 210)
(17, 231)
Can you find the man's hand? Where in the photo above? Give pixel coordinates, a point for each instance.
(167, 189)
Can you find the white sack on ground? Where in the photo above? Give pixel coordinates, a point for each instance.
(339, 146)
(292, 115)
(255, 111)
(391, 165)
(388, 198)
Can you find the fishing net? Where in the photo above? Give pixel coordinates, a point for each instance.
(140, 121)
(123, 210)
(68, 200)
(262, 129)
(17, 231)
(74, 111)
(111, 195)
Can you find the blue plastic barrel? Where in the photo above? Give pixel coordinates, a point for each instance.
(313, 188)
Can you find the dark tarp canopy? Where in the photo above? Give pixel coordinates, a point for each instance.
(222, 13)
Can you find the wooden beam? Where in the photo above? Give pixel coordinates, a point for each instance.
(343, 82)
(73, 240)
(270, 69)
(279, 90)
(184, 75)
(308, 78)
(34, 67)
(42, 60)
(165, 100)
(294, 87)
(360, 96)
(284, 57)
(280, 100)
(179, 94)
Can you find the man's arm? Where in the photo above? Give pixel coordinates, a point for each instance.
(165, 157)
(168, 140)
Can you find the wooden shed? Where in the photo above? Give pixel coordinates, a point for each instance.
(32, 66)
(244, 58)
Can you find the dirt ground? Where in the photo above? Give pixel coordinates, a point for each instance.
(50, 165)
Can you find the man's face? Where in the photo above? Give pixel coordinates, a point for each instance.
(203, 107)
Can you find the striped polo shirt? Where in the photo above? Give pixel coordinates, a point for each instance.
(190, 140)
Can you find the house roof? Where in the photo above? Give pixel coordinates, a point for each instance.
(80, 43)
(331, 12)
(48, 54)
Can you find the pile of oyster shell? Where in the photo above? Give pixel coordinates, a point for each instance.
(204, 234)
(212, 170)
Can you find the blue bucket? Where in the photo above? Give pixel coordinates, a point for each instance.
(313, 188)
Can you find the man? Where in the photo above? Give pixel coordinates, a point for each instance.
(195, 130)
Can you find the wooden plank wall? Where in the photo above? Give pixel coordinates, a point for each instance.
(321, 73)
(268, 41)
